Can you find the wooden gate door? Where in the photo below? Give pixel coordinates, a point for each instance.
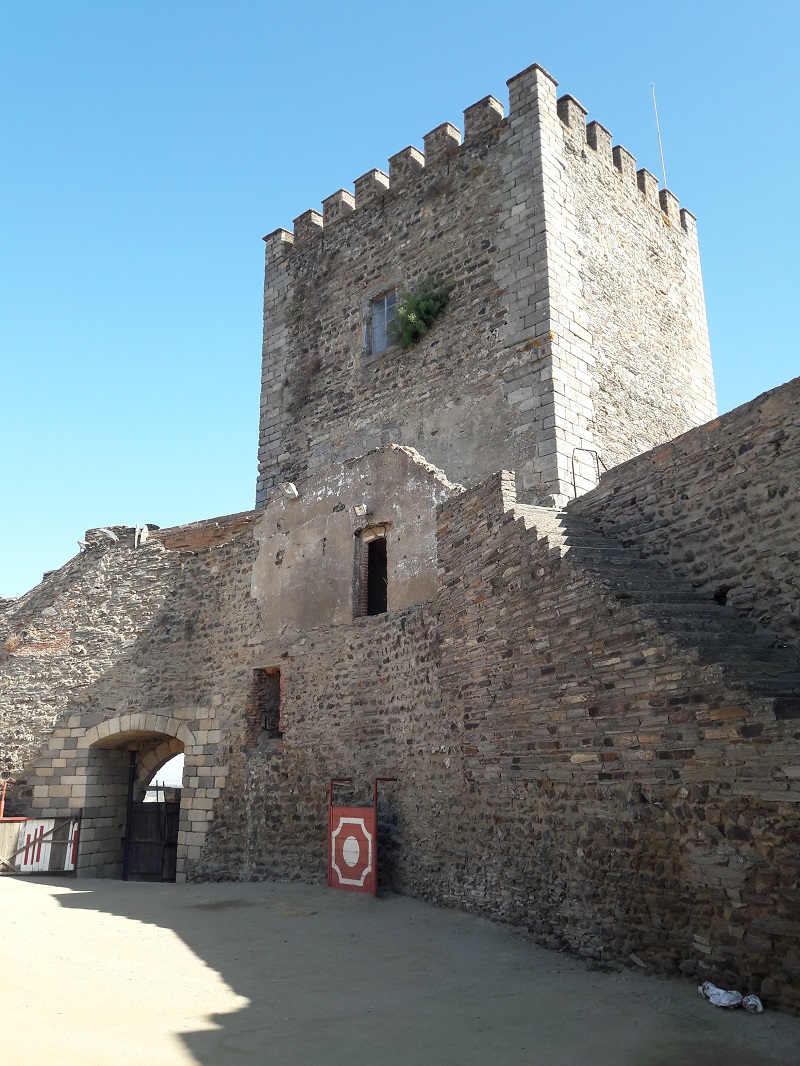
(151, 843)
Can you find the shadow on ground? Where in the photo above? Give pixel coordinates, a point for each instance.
(337, 978)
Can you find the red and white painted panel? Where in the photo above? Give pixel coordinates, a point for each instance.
(72, 846)
(34, 837)
(37, 852)
(353, 849)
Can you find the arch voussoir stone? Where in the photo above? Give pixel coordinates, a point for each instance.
(137, 723)
(152, 761)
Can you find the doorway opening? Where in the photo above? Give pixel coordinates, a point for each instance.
(132, 815)
(371, 572)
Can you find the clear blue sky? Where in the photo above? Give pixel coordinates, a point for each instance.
(149, 145)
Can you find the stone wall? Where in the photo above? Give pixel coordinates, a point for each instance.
(624, 800)
(358, 695)
(720, 505)
(358, 701)
(565, 761)
(576, 321)
(181, 625)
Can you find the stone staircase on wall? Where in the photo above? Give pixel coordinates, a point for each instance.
(750, 658)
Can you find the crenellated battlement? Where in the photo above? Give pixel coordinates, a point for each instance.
(482, 117)
(279, 242)
(405, 165)
(370, 187)
(444, 145)
(337, 206)
(439, 142)
(594, 135)
(306, 226)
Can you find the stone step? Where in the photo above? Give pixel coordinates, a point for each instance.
(700, 609)
(665, 594)
(724, 636)
(647, 583)
(743, 659)
(627, 573)
(593, 543)
(764, 686)
(738, 639)
(775, 664)
(608, 557)
(787, 707)
(701, 624)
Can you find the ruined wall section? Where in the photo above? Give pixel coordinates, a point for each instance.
(305, 575)
(192, 656)
(635, 280)
(165, 631)
(190, 666)
(58, 639)
(719, 505)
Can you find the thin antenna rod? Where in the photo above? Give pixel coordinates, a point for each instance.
(658, 131)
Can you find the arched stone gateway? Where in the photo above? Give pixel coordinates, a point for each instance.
(101, 771)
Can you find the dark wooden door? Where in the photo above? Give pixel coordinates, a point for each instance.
(152, 842)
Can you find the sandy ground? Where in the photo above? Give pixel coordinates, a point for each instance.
(104, 972)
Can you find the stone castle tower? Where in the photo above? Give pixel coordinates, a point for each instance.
(575, 336)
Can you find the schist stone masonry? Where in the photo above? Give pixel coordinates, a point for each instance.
(585, 682)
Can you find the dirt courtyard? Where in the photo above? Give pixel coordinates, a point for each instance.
(108, 972)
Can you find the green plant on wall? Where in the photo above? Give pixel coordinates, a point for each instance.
(294, 310)
(417, 310)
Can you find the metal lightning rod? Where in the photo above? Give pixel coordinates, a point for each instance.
(658, 131)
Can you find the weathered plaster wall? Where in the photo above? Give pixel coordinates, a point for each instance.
(304, 575)
(720, 505)
(539, 352)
